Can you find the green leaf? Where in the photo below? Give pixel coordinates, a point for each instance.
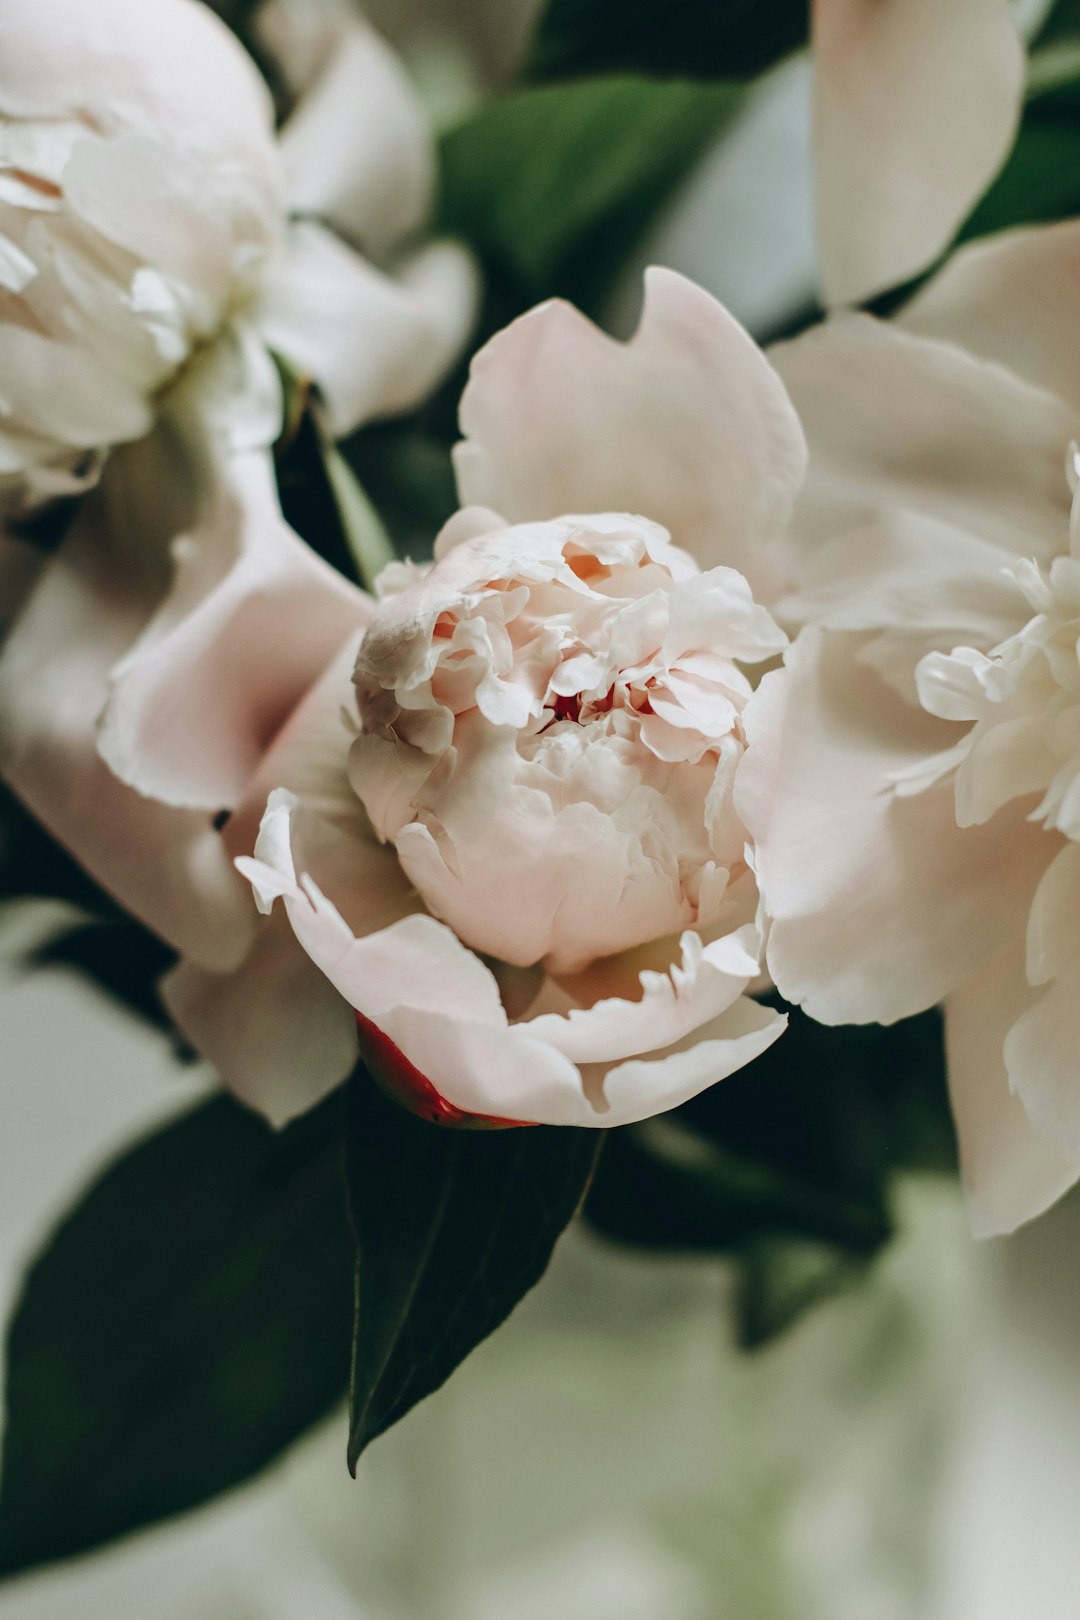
(185, 1323)
(367, 540)
(452, 1228)
(722, 39)
(554, 185)
(801, 1145)
(780, 1281)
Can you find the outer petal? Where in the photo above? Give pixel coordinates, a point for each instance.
(375, 344)
(440, 1006)
(906, 571)
(357, 150)
(903, 421)
(1013, 298)
(686, 424)
(916, 107)
(172, 66)
(167, 866)
(1041, 1047)
(880, 904)
(1010, 1173)
(196, 700)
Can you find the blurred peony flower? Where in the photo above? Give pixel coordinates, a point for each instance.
(150, 260)
(144, 212)
(916, 107)
(911, 779)
(502, 823)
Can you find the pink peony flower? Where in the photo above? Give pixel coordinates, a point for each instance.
(501, 825)
(911, 780)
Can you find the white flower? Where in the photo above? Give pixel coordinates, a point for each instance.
(912, 776)
(545, 728)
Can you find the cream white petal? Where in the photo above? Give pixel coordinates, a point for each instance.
(915, 108)
(686, 424)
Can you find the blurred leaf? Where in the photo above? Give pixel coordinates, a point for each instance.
(369, 546)
(122, 959)
(780, 1281)
(722, 39)
(553, 186)
(453, 1227)
(34, 866)
(185, 1323)
(1062, 23)
(800, 1145)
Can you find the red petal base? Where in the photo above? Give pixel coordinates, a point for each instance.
(403, 1081)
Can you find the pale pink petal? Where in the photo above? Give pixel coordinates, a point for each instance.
(172, 65)
(374, 344)
(650, 1085)
(686, 424)
(903, 421)
(169, 867)
(916, 107)
(1013, 298)
(1010, 1173)
(251, 618)
(277, 1032)
(357, 150)
(670, 1005)
(1042, 1045)
(880, 904)
(905, 570)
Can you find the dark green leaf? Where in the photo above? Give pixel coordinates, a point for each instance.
(122, 959)
(719, 39)
(801, 1144)
(554, 185)
(780, 1281)
(453, 1227)
(185, 1323)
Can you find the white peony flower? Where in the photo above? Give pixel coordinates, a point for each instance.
(152, 258)
(911, 782)
(144, 211)
(501, 826)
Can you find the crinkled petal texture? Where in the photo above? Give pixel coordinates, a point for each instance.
(139, 204)
(145, 640)
(912, 776)
(551, 727)
(515, 852)
(916, 107)
(687, 423)
(599, 1063)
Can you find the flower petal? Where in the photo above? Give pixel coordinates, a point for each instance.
(897, 420)
(880, 904)
(916, 106)
(1011, 298)
(374, 344)
(195, 701)
(1010, 1173)
(686, 424)
(169, 867)
(357, 151)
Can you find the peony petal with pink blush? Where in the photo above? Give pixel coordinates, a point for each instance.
(1010, 1173)
(686, 424)
(375, 344)
(357, 149)
(1009, 298)
(899, 421)
(879, 903)
(195, 702)
(915, 108)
